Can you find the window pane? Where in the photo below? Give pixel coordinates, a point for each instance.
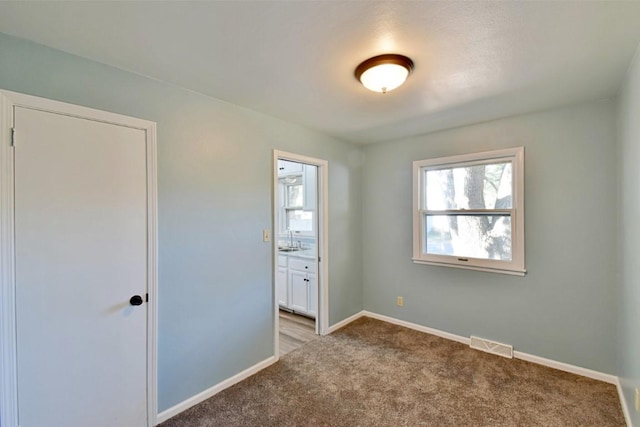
(471, 187)
(299, 220)
(474, 236)
(294, 195)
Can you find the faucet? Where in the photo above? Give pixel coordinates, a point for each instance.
(290, 238)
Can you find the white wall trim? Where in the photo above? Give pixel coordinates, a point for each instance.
(561, 366)
(322, 321)
(8, 362)
(345, 322)
(275, 225)
(8, 357)
(420, 328)
(600, 376)
(200, 397)
(58, 107)
(152, 273)
(623, 402)
(183, 406)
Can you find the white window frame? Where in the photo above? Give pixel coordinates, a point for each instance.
(517, 264)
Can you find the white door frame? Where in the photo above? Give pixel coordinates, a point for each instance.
(322, 320)
(8, 360)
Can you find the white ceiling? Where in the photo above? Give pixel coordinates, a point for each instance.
(474, 61)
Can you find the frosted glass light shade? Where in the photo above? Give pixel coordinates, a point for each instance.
(384, 72)
(384, 78)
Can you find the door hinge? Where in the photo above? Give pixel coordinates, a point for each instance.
(319, 259)
(147, 298)
(13, 137)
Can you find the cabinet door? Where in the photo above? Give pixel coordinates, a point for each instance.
(313, 294)
(310, 187)
(299, 291)
(281, 287)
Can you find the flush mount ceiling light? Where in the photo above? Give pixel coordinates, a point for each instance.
(383, 73)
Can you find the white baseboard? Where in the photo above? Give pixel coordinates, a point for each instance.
(420, 328)
(200, 397)
(345, 322)
(600, 376)
(623, 402)
(611, 379)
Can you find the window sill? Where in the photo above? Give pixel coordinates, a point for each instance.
(520, 273)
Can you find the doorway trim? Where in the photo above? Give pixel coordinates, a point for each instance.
(8, 357)
(322, 321)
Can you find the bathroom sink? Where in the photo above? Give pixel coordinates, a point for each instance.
(287, 249)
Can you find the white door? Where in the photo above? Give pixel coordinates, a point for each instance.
(312, 283)
(81, 254)
(281, 287)
(299, 298)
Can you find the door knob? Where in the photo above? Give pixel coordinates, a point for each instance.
(136, 300)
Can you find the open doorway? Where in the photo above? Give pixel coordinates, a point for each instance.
(299, 244)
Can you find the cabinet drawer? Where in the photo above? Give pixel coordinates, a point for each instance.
(300, 264)
(282, 260)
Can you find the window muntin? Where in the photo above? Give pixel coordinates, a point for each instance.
(469, 211)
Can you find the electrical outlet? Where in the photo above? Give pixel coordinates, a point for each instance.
(400, 301)
(637, 399)
(266, 236)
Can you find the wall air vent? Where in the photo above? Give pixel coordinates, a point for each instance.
(492, 347)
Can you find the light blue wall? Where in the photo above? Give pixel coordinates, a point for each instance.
(565, 307)
(215, 317)
(629, 307)
(214, 185)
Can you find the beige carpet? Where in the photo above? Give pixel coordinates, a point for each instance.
(372, 373)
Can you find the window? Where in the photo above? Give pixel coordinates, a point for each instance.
(293, 216)
(469, 211)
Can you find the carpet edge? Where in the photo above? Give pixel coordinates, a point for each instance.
(566, 367)
(345, 322)
(217, 388)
